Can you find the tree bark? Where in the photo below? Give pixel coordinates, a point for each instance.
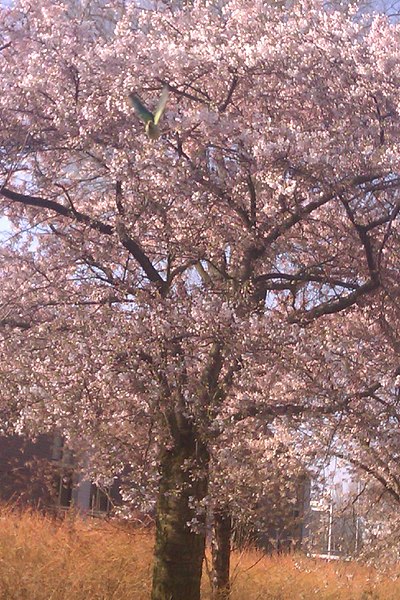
(179, 551)
(221, 553)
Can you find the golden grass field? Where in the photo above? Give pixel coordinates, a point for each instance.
(45, 559)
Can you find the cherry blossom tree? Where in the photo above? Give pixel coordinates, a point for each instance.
(258, 487)
(367, 432)
(153, 292)
(362, 377)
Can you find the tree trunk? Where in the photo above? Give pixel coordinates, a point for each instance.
(221, 553)
(179, 551)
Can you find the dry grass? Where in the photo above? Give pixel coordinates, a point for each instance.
(300, 578)
(42, 559)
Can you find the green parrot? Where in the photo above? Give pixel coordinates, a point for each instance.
(151, 121)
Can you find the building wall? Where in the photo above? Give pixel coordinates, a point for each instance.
(25, 474)
(42, 473)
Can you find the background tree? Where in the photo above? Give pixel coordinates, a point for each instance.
(258, 485)
(367, 435)
(171, 287)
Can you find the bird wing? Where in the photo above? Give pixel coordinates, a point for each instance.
(161, 105)
(140, 109)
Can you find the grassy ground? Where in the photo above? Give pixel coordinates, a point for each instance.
(41, 559)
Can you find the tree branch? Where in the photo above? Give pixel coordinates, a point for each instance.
(130, 244)
(328, 308)
(4, 46)
(293, 409)
(296, 217)
(371, 471)
(222, 108)
(118, 198)
(253, 200)
(64, 211)
(299, 277)
(15, 324)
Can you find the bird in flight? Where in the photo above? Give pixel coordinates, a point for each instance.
(151, 120)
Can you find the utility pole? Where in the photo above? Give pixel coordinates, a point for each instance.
(330, 526)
